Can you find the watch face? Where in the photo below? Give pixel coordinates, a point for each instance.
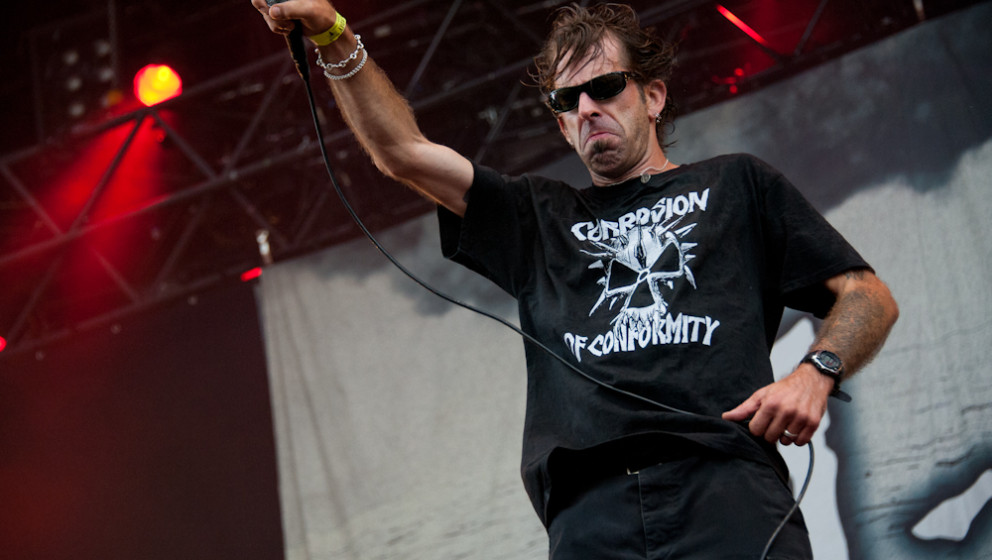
(828, 360)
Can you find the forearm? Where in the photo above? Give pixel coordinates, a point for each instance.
(855, 329)
(859, 321)
(374, 110)
(385, 126)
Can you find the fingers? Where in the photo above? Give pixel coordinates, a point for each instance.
(282, 12)
(788, 437)
(316, 15)
(276, 26)
(279, 17)
(787, 424)
(283, 28)
(774, 411)
(798, 437)
(744, 410)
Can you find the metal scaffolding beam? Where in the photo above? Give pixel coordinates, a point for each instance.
(251, 163)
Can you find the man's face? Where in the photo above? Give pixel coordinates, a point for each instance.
(615, 136)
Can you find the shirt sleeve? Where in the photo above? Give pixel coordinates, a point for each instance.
(805, 248)
(490, 238)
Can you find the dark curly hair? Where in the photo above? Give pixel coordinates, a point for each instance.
(578, 31)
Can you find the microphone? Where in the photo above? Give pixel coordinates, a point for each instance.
(295, 43)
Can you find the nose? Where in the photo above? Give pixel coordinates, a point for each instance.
(588, 106)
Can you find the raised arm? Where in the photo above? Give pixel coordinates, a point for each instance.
(375, 111)
(854, 330)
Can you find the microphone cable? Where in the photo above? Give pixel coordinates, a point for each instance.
(295, 44)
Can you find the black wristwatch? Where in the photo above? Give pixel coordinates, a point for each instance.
(828, 364)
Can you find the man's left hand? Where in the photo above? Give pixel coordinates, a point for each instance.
(788, 410)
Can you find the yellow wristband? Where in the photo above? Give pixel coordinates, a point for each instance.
(332, 34)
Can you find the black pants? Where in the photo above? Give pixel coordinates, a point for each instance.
(697, 507)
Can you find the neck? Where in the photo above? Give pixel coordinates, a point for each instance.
(644, 171)
(647, 172)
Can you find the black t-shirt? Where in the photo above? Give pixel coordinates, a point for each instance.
(671, 289)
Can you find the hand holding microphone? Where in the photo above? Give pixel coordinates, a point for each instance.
(282, 16)
(317, 19)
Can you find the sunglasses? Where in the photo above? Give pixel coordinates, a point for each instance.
(599, 88)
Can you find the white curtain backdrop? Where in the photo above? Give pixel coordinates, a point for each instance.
(398, 417)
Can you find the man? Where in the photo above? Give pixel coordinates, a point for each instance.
(666, 282)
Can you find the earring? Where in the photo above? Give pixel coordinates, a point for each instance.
(657, 118)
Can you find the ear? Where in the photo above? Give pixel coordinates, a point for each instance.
(656, 94)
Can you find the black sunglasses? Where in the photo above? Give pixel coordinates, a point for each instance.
(599, 88)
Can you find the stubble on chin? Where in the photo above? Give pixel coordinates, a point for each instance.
(602, 156)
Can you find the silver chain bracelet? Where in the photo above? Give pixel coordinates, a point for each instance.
(328, 67)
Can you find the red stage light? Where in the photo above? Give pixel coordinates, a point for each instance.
(3, 343)
(252, 274)
(743, 26)
(156, 83)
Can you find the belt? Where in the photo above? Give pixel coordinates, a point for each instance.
(631, 463)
